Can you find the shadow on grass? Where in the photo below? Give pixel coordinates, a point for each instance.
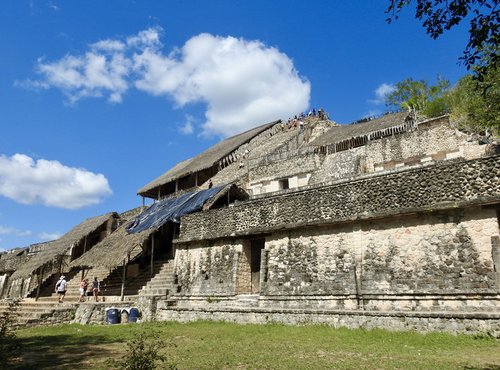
(65, 351)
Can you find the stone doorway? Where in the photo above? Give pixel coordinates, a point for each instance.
(256, 247)
(249, 267)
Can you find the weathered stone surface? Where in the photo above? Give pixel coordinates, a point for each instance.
(441, 186)
(206, 268)
(406, 263)
(422, 322)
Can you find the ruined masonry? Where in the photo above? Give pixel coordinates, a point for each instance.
(391, 222)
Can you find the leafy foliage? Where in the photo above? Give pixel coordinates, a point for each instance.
(430, 100)
(143, 353)
(476, 104)
(473, 104)
(9, 346)
(438, 16)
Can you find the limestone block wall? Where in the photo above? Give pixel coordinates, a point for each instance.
(206, 268)
(268, 186)
(440, 253)
(439, 137)
(347, 163)
(445, 185)
(440, 261)
(285, 168)
(425, 322)
(19, 288)
(433, 141)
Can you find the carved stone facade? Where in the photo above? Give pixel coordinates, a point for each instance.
(402, 232)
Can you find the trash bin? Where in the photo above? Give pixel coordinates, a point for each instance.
(112, 315)
(133, 315)
(124, 316)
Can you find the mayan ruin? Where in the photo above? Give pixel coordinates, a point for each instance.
(390, 222)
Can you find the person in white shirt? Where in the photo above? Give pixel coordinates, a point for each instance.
(61, 288)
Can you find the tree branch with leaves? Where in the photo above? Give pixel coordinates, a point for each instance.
(438, 16)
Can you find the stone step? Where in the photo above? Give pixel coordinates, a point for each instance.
(156, 291)
(159, 284)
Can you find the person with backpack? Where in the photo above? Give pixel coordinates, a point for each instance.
(96, 287)
(61, 288)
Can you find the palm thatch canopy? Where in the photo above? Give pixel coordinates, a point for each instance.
(11, 260)
(60, 247)
(113, 250)
(203, 161)
(341, 133)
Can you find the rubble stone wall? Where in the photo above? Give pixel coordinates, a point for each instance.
(439, 253)
(445, 185)
(422, 322)
(429, 262)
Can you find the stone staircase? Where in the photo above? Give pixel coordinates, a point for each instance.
(31, 312)
(47, 310)
(161, 284)
(133, 285)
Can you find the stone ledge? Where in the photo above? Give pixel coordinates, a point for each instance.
(292, 311)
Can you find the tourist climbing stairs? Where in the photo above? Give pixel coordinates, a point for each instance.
(46, 309)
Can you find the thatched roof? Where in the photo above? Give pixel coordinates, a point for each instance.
(61, 246)
(130, 214)
(345, 132)
(111, 251)
(205, 160)
(11, 260)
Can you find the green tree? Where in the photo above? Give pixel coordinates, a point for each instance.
(438, 16)
(475, 104)
(419, 96)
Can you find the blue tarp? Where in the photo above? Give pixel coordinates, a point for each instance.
(172, 209)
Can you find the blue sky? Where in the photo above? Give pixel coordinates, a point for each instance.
(97, 98)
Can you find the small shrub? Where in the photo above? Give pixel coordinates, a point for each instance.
(9, 345)
(143, 353)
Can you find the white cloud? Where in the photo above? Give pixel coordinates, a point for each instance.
(50, 183)
(242, 83)
(53, 7)
(7, 230)
(149, 38)
(108, 45)
(49, 236)
(384, 90)
(187, 128)
(381, 93)
(94, 74)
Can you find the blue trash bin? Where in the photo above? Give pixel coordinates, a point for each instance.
(133, 315)
(112, 316)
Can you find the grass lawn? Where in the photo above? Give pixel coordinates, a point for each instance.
(212, 345)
